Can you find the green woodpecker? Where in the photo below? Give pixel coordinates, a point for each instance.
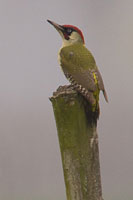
(78, 64)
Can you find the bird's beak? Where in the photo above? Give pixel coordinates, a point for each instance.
(58, 27)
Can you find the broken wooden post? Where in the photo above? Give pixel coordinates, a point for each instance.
(78, 139)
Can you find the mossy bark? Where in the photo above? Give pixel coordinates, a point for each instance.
(78, 144)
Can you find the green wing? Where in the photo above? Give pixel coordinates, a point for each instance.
(78, 62)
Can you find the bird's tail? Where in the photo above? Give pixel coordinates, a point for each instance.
(105, 95)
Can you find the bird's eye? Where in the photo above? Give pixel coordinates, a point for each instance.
(69, 30)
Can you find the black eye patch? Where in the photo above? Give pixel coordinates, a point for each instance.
(68, 31)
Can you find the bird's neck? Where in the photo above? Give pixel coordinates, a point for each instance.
(66, 43)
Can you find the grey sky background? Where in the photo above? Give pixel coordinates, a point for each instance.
(30, 164)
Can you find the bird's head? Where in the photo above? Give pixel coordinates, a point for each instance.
(70, 34)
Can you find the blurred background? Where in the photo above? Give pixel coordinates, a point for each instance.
(30, 163)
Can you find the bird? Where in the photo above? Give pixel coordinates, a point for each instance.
(79, 65)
